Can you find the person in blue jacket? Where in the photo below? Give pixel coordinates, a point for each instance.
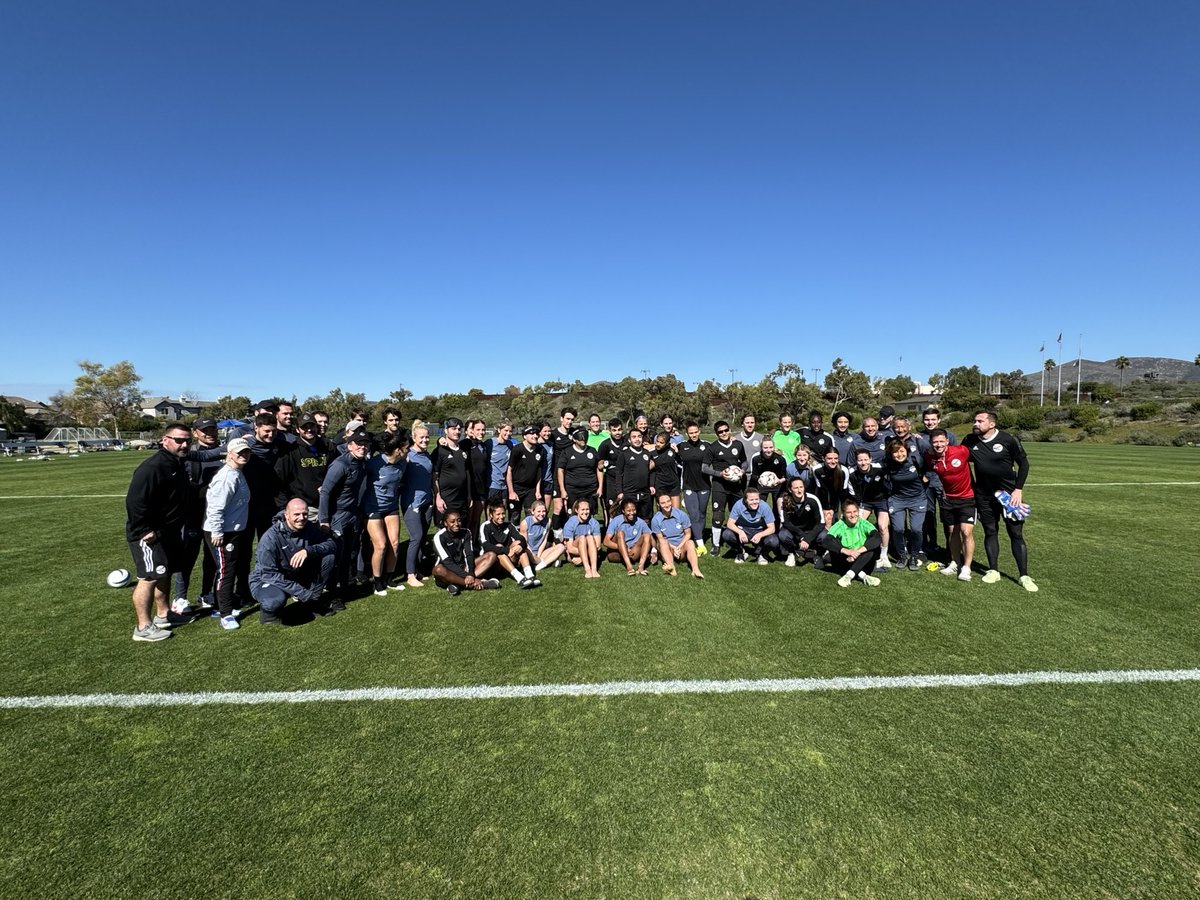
(295, 558)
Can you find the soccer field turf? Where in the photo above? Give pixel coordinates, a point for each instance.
(1046, 790)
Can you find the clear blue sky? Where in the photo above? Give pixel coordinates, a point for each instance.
(275, 198)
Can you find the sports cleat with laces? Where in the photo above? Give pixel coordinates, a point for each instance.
(991, 576)
(951, 569)
(790, 562)
(845, 580)
(1028, 584)
(869, 580)
(151, 633)
(964, 575)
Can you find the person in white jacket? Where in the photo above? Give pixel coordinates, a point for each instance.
(225, 528)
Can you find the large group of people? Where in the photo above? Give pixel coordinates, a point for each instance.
(282, 510)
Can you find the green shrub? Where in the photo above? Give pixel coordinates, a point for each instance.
(954, 419)
(1062, 414)
(1147, 439)
(1026, 437)
(1143, 411)
(1194, 407)
(1006, 418)
(1187, 436)
(1084, 415)
(1047, 434)
(1098, 427)
(1058, 438)
(1029, 417)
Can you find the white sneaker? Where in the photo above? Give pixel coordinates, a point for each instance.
(1028, 584)
(762, 561)
(883, 565)
(382, 592)
(951, 569)
(870, 580)
(180, 605)
(230, 623)
(964, 575)
(790, 562)
(740, 558)
(399, 586)
(991, 576)
(845, 580)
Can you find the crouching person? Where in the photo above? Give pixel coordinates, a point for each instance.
(457, 568)
(295, 559)
(853, 544)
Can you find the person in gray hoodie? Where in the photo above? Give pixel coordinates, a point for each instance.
(295, 559)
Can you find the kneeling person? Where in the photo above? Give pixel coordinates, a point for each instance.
(750, 529)
(295, 559)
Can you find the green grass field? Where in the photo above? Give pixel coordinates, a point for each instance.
(1037, 791)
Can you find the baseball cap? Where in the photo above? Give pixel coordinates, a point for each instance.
(238, 445)
(359, 437)
(306, 419)
(201, 424)
(529, 429)
(886, 411)
(579, 434)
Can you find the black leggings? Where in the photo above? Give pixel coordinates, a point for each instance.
(990, 513)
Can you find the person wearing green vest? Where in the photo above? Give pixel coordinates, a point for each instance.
(853, 544)
(786, 440)
(596, 436)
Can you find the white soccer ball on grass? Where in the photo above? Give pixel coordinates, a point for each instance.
(119, 578)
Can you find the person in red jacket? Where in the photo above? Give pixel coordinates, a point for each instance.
(950, 463)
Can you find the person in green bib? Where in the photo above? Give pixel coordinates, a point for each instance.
(596, 433)
(786, 440)
(853, 544)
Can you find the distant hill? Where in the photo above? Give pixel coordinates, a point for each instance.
(1164, 367)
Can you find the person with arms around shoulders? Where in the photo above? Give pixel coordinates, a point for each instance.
(226, 529)
(416, 501)
(957, 495)
(696, 486)
(381, 505)
(340, 512)
(870, 489)
(503, 540)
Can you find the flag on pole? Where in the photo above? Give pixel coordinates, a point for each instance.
(1043, 350)
(1060, 337)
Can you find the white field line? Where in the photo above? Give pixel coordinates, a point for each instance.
(603, 689)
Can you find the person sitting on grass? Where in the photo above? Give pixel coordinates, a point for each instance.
(801, 525)
(750, 530)
(581, 539)
(457, 565)
(503, 539)
(296, 559)
(628, 540)
(542, 547)
(853, 544)
(673, 530)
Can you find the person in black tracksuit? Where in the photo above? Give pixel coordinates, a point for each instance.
(341, 511)
(832, 483)
(610, 450)
(697, 487)
(768, 461)
(503, 540)
(261, 477)
(457, 566)
(667, 476)
(1000, 464)
(801, 524)
(720, 455)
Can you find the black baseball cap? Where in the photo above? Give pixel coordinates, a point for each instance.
(886, 411)
(359, 437)
(203, 424)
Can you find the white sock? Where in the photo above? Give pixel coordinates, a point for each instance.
(540, 566)
(528, 572)
(517, 576)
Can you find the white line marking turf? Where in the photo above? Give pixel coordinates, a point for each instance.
(62, 497)
(603, 689)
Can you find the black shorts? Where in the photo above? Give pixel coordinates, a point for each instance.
(156, 561)
(958, 510)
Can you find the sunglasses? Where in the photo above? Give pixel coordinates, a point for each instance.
(722, 431)
(179, 440)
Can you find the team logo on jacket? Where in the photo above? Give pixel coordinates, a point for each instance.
(589, 456)
(998, 448)
(955, 463)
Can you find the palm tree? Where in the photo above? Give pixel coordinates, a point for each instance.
(1198, 359)
(1122, 364)
(1050, 364)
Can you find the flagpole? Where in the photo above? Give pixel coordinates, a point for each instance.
(1079, 369)
(1042, 392)
(1058, 396)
